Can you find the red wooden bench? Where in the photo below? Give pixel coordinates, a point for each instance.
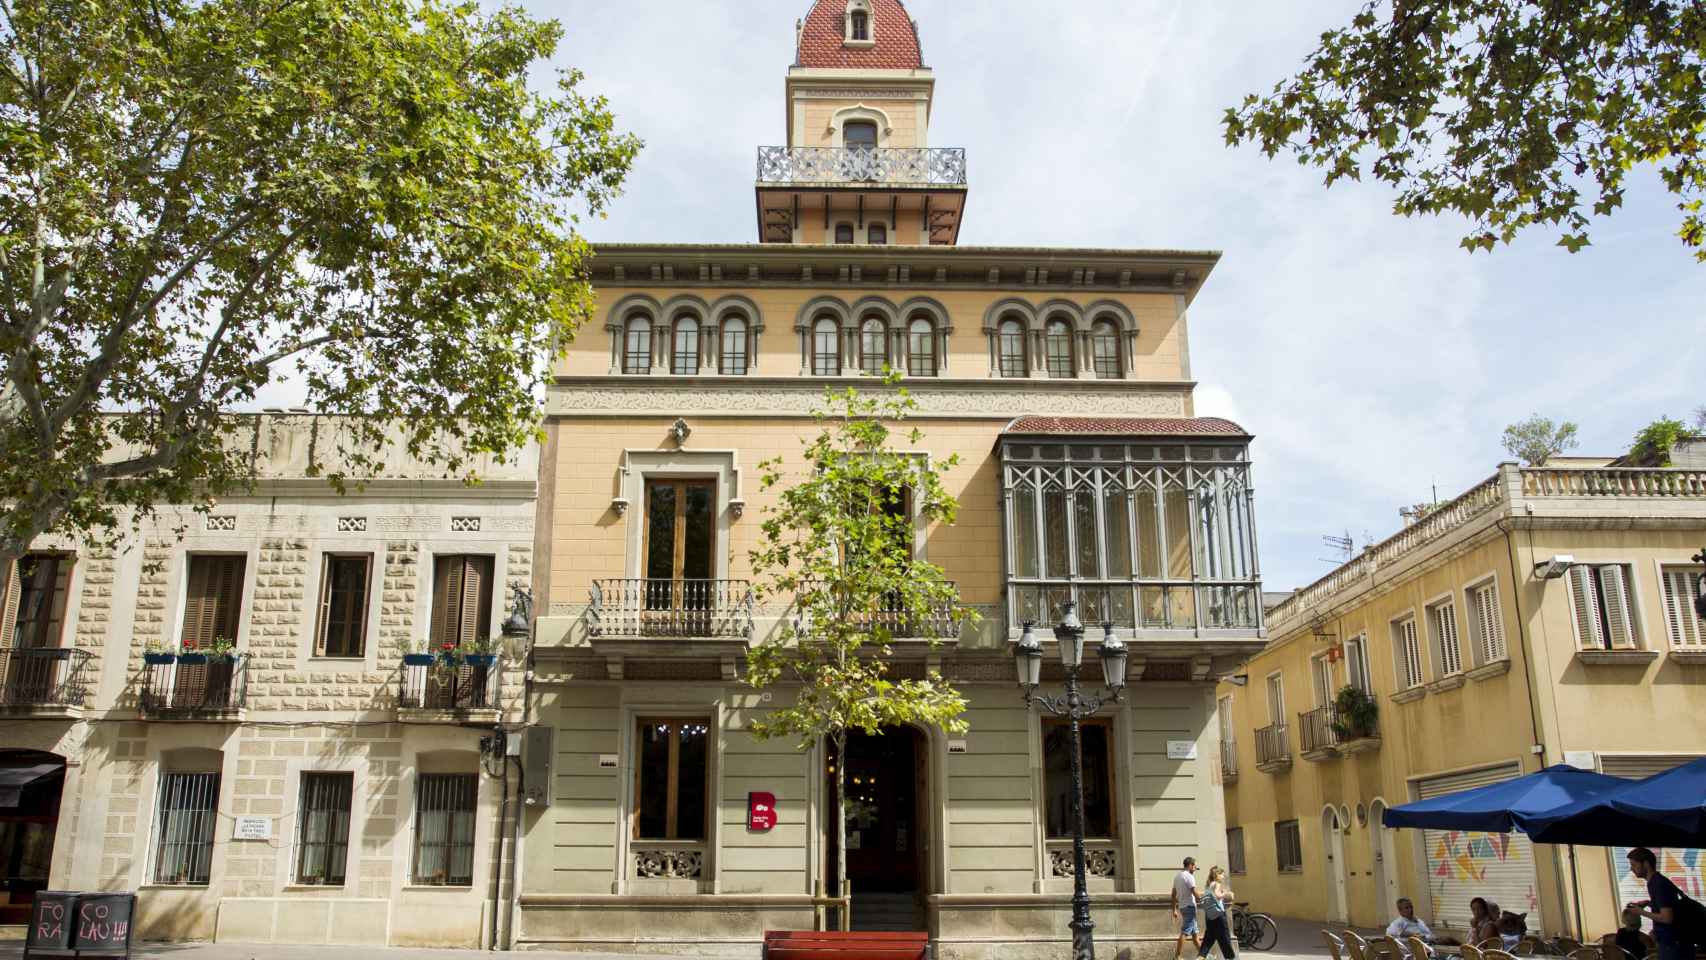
(835, 945)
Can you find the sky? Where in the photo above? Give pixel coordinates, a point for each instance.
(1373, 359)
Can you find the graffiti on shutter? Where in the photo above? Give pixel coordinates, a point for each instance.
(1463, 864)
(1685, 867)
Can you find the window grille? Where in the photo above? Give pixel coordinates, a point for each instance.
(1057, 343)
(1687, 631)
(637, 346)
(1011, 345)
(1600, 597)
(1448, 653)
(1235, 850)
(1486, 625)
(184, 832)
(921, 348)
(444, 829)
(684, 358)
(826, 348)
(873, 347)
(1409, 652)
(1288, 846)
(322, 847)
(1105, 350)
(734, 347)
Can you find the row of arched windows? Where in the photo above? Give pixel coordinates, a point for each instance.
(918, 347)
(1060, 356)
(686, 348)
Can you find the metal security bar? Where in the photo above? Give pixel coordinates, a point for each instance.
(214, 688)
(444, 829)
(43, 676)
(188, 805)
(322, 848)
(671, 608)
(921, 166)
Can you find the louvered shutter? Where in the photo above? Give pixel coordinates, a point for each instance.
(475, 597)
(1486, 614)
(1450, 653)
(1686, 629)
(10, 591)
(227, 597)
(325, 606)
(446, 584)
(1463, 864)
(1614, 580)
(50, 627)
(1685, 867)
(198, 603)
(1585, 601)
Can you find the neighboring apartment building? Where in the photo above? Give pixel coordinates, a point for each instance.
(1542, 617)
(1062, 378)
(314, 788)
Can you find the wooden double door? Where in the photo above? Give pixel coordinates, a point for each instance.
(887, 818)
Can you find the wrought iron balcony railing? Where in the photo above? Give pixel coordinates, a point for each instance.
(671, 608)
(914, 166)
(43, 676)
(1273, 745)
(1317, 727)
(1228, 760)
(214, 688)
(450, 686)
(937, 623)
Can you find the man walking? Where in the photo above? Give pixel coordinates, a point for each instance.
(1664, 904)
(1185, 897)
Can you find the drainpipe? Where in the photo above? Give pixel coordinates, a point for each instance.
(503, 828)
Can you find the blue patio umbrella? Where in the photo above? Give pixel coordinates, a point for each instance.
(1664, 810)
(1500, 807)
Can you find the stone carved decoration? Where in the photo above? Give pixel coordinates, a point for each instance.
(1003, 400)
(352, 524)
(464, 524)
(1101, 863)
(651, 864)
(224, 524)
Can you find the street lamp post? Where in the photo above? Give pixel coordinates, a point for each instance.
(1075, 707)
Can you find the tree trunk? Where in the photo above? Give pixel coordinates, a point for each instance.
(846, 910)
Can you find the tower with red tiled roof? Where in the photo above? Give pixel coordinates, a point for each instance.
(858, 167)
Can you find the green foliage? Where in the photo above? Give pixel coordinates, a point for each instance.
(1537, 439)
(1652, 445)
(1355, 712)
(201, 196)
(1513, 113)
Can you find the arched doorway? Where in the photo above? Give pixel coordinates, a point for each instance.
(887, 818)
(1333, 846)
(1385, 856)
(30, 787)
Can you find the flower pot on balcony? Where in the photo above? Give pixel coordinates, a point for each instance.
(419, 659)
(194, 659)
(479, 659)
(159, 658)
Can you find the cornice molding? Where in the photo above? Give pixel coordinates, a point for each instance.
(594, 397)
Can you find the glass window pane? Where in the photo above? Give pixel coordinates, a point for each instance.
(1058, 348)
(1095, 754)
(877, 234)
(1208, 532)
(700, 518)
(921, 349)
(734, 347)
(653, 792)
(637, 346)
(1148, 533)
(1084, 529)
(685, 358)
(660, 531)
(690, 781)
(844, 233)
(1012, 348)
(826, 348)
(859, 134)
(873, 346)
(1025, 553)
(1116, 529)
(1054, 533)
(1105, 347)
(1177, 518)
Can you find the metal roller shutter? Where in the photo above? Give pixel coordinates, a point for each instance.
(1685, 867)
(1463, 865)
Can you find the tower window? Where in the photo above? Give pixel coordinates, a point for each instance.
(637, 345)
(873, 346)
(877, 234)
(826, 348)
(859, 135)
(844, 233)
(1105, 349)
(684, 358)
(1057, 342)
(860, 25)
(1011, 345)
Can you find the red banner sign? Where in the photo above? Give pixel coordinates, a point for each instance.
(760, 811)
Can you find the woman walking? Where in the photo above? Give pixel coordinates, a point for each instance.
(1216, 901)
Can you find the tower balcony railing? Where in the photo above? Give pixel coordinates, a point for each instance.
(677, 609)
(37, 677)
(905, 166)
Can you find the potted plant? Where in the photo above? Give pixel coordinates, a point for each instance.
(222, 650)
(192, 655)
(477, 653)
(1355, 713)
(448, 654)
(156, 654)
(417, 656)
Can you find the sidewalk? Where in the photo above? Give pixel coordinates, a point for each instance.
(12, 950)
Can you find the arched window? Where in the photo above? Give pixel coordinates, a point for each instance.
(859, 134)
(877, 234)
(684, 352)
(1057, 346)
(873, 346)
(826, 348)
(920, 348)
(844, 233)
(860, 23)
(1105, 349)
(1011, 344)
(735, 349)
(637, 345)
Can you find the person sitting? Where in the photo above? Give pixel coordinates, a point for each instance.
(1629, 935)
(1512, 927)
(1407, 924)
(1488, 928)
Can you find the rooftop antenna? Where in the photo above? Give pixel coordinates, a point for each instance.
(1344, 546)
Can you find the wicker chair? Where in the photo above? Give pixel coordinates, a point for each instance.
(1385, 948)
(1497, 955)
(1356, 946)
(1418, 948)
(1469, 952)
(1335, 946)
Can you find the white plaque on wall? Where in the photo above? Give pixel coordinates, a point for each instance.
(252, 828)
(1181, 749)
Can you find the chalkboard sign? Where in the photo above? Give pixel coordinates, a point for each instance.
(80, 923)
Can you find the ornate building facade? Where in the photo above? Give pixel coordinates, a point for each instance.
(1061, 377)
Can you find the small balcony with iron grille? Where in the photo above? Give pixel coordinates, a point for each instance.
(198, 688)
(43, 681)
(450, 689)
(907, 629)
(1228, 761)
(798, 184)
(1273, 748)
(685, 621)
(1328, 734)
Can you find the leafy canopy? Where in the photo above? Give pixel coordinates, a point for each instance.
(1653, 443)
(1513, 113)
(838, 545)
(1537, 439)
(200, 196)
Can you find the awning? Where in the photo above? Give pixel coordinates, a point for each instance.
(13, 780)
(1503, 806)
(1664, 810)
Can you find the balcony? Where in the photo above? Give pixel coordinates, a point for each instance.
(200, 689)
(937, 624)
(671, 609)
(1228, 761)
(1326, 736)
(43, 681)
(1273, 748)
(449, 691)
(794, 183)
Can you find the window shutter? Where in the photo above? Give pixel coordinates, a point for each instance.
(228, 598)
(51, 632)
(1614, 580)
(1486, 614)
(197, 604)
(475, 599)
(446, 588)
(325, 606)
(1450, 653)
(1686, 630)
(1586, 603)
(10, 590)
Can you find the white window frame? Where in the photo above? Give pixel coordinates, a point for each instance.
(1407, 651)
(870, 25)
(1477, 627)
(1360, 675)
(1436, 636)
(1594, 639)
(1679, 607)
(1276, 705)
(1324, 693)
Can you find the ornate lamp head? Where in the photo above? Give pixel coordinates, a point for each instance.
(1069, 631)
(1028, 659)
(1113, 659)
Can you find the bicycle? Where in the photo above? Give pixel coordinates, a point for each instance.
(1254, 931)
